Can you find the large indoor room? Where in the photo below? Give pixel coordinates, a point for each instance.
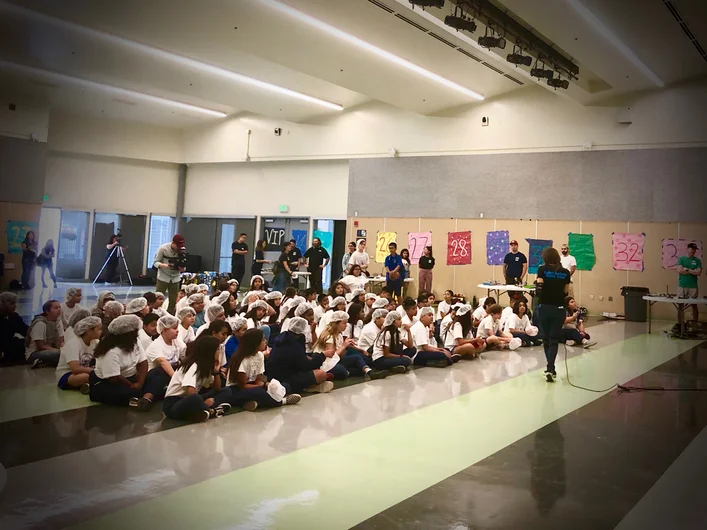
(372, 264)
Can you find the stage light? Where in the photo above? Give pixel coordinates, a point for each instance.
(492, 42)
(542, 73)
(460, 23)
(558, 83)
(428, 3)
(519, 59)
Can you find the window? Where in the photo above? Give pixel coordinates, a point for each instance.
(228, 233)
(161, 232)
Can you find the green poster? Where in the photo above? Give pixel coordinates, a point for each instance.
(582, 248)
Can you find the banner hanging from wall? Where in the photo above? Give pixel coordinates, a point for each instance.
(627, 251)
(16, 232)
(300, 236)
(582, 246)
(535, 253)
(672, 249)
(496, 247)
(417, 241)
(459, 248)
(383, 239)
(274, 238)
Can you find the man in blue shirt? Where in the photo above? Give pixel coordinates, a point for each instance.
(394, 271)
(515, 266)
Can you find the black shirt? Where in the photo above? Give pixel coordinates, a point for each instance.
(426, 263)
(293, 258)
(284, 258)
(257, 268)
(238, 258)
(316, 256)
(514, 264)
(553, 290)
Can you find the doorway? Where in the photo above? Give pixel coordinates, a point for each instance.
(133, 230)
(276, 231)
(73, 238)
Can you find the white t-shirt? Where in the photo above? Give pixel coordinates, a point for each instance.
(324, 322)
(368, 335)
(184, 302)
(505, 315)
(386, 339)
(201, 329)
(479, 313)
(68, 335)
(443, 310)
(516, 322)
(186, 335)
(409, 321)
(181, 380)
(455, 332)
(251, 323)
(420, 335)
(318, 313)
(360, 258)
(308, 339)
(144, 339)
(117, 362)
(568, 261)
(159, 349)
(252, 367)
(160, 312)
(74, 350)
(356, 332)
(488, 327)
(337, 341)
(285, 325)
(67, 312)
(39, 332)
(354, 282)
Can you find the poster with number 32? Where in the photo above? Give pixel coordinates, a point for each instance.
(628, 251)
(459, 248)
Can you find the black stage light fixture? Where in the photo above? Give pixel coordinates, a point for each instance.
(558, 83)
(428, 3)
(519, 59)
(492, 42)
(542, 73)
(460, 23)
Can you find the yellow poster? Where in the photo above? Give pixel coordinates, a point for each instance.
(382, 241)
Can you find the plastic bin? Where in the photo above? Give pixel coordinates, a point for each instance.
(635, 307)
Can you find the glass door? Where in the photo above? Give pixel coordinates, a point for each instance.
(73, 239)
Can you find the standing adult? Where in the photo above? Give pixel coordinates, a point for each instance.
(317, 258)
(239, 251)
(169, 272)
(45, 260)
(426, 264)
(360, 257)
(294, 256)
(259, 258)
(515, 266)
(29, 259)
(570, 263)
(283, 273)
(689, 268)
(552, 285)
(347, 258)
(112, 261)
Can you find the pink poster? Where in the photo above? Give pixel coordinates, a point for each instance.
(675, 248)
(417, 241)
(628, 251)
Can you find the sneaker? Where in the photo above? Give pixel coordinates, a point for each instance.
(437, 364)
(588, 344)
(570, 343)
(292, 399)
(85, 389)
(322, 388)
(37, 363)
(223, 409)
(250, 406)
(455, 357)
(206, 416)
(211, 413)
(144, 404)
(376, 374)
(549, 376)
(134, 402)
(398, 369)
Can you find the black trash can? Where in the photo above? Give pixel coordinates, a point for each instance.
(635, 307)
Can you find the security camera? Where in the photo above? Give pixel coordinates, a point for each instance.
(278, 131)
(484, 121)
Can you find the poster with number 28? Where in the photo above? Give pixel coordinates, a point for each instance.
(459, 248)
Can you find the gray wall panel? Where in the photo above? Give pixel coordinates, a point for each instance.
(651, 185)
(23, 166)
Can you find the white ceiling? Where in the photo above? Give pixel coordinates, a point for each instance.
(252, 38)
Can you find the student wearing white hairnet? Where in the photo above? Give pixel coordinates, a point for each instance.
(213, 312)
(120, 377)
(353, 331)
(256, 313)
(368, 300)
(74, 366)
(71, 305)
(165, 353)
(337, 303)
(250, 388)
(238, 328)
(196, 302)
(370, 331)
(391, 349)
(333, 350)
(291, 307)
(426, 352)
(189, 289)
(103, 298)
(148, 333)
(45, 336)
(155, 301)
(78, 315)
(111, 310)
(289, 363)
(186, 317)
(310, 333)
(458, 334)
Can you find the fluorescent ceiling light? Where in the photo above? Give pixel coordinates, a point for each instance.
(172, 57)
(61, 78)
(331, 30)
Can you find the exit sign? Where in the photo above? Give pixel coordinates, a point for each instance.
(284, 208)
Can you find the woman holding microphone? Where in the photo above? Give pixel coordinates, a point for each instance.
(552, 285)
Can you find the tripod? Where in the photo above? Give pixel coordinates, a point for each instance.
(120, 253)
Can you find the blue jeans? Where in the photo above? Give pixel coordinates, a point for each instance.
(266, 331)
(551, 320)
(190, 408)
(423, 357)
(386, 363)
(259, 395)
(281, 281)
(354, 362)
(339, 371)
(47, 357)
(526, 339)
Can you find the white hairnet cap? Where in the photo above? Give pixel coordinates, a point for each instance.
(357, 292)
(457, 306)
(203, 287)
(257, 277)
(135, 305)
(159, 294)
(79, 314)
(113, 307)
(166, 322)
(302, 309)
(426, 311)
(370, 296)
(463, 310)
(184, 312)
(273, 295)
(298, 325)
(237, 323)
(7, 299)
(379, 313)
(196, 298)
(71, 292)
(257, 304)
(86, 324)
(232, 281)
(380, 303)
(300, 299)
(191, 289)
(338, 300)
(338, 316)
(391, 317)
(214, 311)
(125, 324)
(221, 298)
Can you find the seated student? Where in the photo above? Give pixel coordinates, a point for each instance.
(370, 332)
(186, 317)
(257, 283)
(385, 293)
(338, 289)
(213, 313)
(230, 304)
(337, 304)
(72, 304)
(378, 303)
(74, 367)
(103, 297)
(391, 351)
(233, 287)
(238, 328)
(120, 377)
(368, 300)
(424, 299)
(189, 289)
(246, 376)
(573, 330)
(256, 312)
(45, 336)
(457, 333)
(355, 279)
(185, 399)
(310, 295)
(13, 329)
(481, 312)
(289, 363)
(290, 293)
(426, 354)
(353, 330)
(196, 302)
(76, 317)
(111, 311)
(291, 307)
(149, 332)
(490, 329)
(330, 348)
(518, 325)
(409, 312)
(222, 331)
(216, 300)
(165, 354)
(508, 311)
(275, 300)
(310, 332)
(322, 306)
(157, 303)
(204, 289)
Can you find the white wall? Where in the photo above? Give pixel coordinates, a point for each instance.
(311, 188)
(82, 182)
(28, 120)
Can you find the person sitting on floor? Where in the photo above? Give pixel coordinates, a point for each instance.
(45, 336)
(338, 289)
(409, 312)
(196, 302)
(111, 311)
(427, 354)
(165, 353)
(229, 305)
(213, 313)
(310, 333)
(336, 304)
(290, 293)
(291, 307)
(391, 351)
(257, 284)
(481, 312)
(573, 331)
(76, 317)
(490, 329)
(13, 329)
(103, 298)
(239, 325)
(72, 304)
(74, 366)
(149, 332)
(186, 317)
(368, 300)
(155, 301)
(458, 336)
(222, 331)
(330, 347)
(518, 325)
(189, 289)
(256, 313)
(370, 332)
(249, 386)
(185, 399)
(322, 306)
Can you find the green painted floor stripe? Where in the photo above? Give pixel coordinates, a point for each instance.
(345, 480)
(18, 403)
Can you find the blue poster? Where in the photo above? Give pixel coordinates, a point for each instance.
(16, 232)
(496, 247)
(535, 254)
(300, 236)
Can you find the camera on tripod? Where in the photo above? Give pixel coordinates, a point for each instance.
(179, 263)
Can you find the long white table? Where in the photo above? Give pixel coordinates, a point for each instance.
(679, 303)
(500, 289)
(302, 274)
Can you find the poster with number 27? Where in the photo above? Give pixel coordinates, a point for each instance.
(459, 248)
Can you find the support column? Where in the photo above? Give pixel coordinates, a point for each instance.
(181, 188)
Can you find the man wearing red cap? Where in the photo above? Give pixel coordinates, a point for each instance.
(515, 266)
(168, 274)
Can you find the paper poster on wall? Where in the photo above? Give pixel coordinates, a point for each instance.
(327, 239)
(275, 238)
(675, 248)
(459, 248)
(627, 251)
(417, 241)
(496, 247)
(582, 246)
(382, 241)
(16, 232)
(535, 253)
(301, 237)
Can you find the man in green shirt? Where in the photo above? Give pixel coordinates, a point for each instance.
(689, 267)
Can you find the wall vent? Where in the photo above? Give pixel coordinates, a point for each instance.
(382, 6)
